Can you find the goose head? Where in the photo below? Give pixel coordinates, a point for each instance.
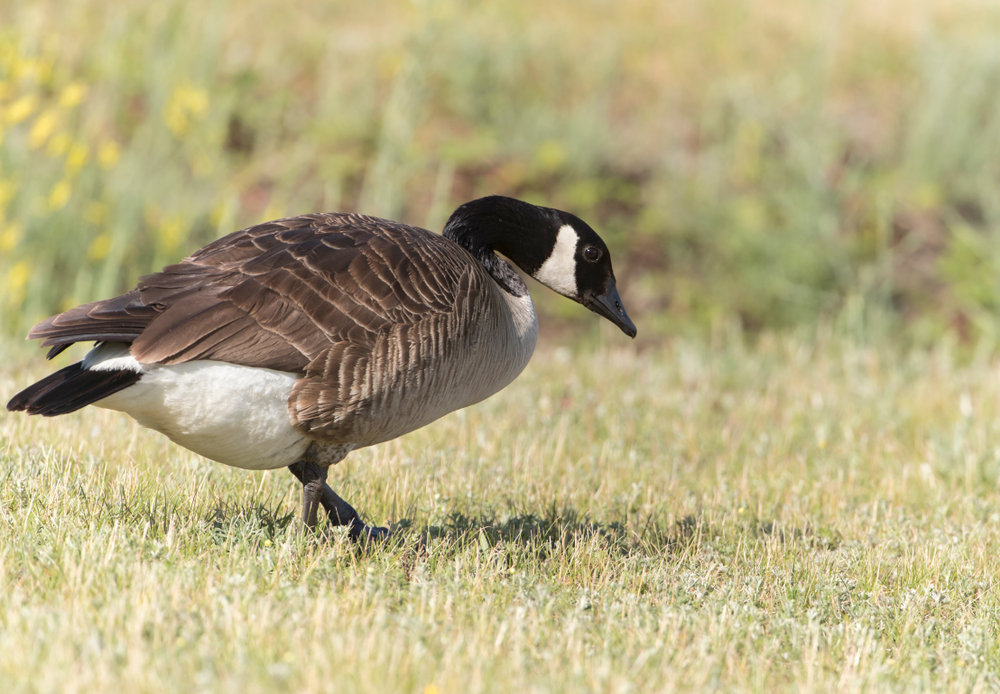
(556, 248)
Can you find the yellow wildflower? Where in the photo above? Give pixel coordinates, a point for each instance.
(20, 109)
(59, 195)
(186, 104)
(8, 53)
(273, 211)
(76, 157)
(72, 94)
(219, 213)
(42, 128)
(223, 214)
(17, 281)
(10, 236)
(99, 247)
(108, 154)
(171, 233)
(23, 69)
(43, 71)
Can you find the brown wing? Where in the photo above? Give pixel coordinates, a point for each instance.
(278, 295)
(411, 373)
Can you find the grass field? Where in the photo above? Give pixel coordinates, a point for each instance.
(739, 500)
(803, 514)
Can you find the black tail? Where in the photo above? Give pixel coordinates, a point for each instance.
(69, 389)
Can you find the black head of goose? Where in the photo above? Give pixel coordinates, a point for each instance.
(293, 342)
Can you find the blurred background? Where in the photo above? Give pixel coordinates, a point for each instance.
(762, 166)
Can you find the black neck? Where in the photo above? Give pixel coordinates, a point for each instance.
(498, 224)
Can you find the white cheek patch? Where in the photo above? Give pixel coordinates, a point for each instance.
(558, 272)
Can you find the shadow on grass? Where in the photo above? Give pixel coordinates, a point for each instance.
(653, 535)
(551, 529)
(563, 530)
(540, 533)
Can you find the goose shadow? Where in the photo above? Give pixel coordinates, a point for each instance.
(658, 533)
(541, 532)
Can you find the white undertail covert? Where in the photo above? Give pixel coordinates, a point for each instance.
(237, 415)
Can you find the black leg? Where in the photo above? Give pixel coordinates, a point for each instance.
(316, 492)
(313, 482)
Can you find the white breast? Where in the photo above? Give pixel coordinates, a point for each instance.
(525, 323)
(237, 415)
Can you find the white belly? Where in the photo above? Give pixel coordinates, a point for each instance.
(237, 415)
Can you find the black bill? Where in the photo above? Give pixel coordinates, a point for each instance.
(609, 305)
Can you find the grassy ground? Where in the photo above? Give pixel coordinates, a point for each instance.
(806, 513)
(803, 514)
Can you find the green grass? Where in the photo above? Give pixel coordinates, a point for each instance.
(801, 514)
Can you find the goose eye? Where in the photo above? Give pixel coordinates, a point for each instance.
(592, 254)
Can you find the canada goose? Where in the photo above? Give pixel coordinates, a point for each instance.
(293, 342)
